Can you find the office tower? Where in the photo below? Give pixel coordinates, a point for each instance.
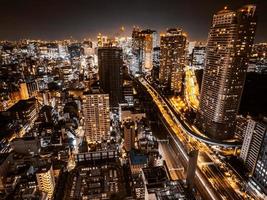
(46, 181)
(136, 66)
(229, 44)
(143, 42)
(110, 73)
(156, 64)
(128, 92)
(253, 137)
(96, 117)
(254, 152)
(191, 169)
(260, 172)
(172, 57)
(129, 135)
(198, 56)
(176, 81)
(241, 126)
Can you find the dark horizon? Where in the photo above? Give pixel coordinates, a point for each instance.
(57, 20)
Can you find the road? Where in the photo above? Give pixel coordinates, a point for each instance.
(207, 161)
(172, 160)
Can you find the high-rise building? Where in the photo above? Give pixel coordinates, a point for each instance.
(229, 44)
(110, 73)
(198, 56)
(143, 43)
(156, 64)
(46, 180)
(254, 152)
(172, 57)
(96, 117)
(253, 137)
(129, 135)
(260, 172)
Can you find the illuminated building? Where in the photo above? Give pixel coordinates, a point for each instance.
(110, 73)
(96, 117)
(74, 50)
(229, 44)
(62, 50)
(24, 110)
(24, 95)
(240, 126)
(128, 92)
(172, 58)
(156, 64)
(46, 180)
(101, 40)
(87, 47)
(129, 135)
(136, 65)
(198, 56)
(254, 152)
(253, 137)
(32, 88)
(176, 81)
(260, 172)
(143, 43)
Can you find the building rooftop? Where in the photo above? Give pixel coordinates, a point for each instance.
(155, 177)
(22, 105)
(44, 169)
(138, 158)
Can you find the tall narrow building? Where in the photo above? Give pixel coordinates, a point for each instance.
(172, 59)
(110, 73)
(253, 137)
(96, 117)
(143, 43)
(254, 152)
(229, 44)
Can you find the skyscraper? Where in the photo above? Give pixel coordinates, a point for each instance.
(143, 43)
(253, 137)
(129, 135)
(260, 172)
(254, 152)
(198, 56)
(110, 73)
(229, 44)
(46, 180)
(172, 58)
(96, 116)
(156, 64)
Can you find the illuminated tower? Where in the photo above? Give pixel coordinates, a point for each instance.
(46, 180)
(129, 135)
(143, 43)
(229, 44)
(96, 117)
(172, 58)
(110, 73)
(254, 152)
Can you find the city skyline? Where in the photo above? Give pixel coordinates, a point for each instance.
(56, 20)
(137, 113)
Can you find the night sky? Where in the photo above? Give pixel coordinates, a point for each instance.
(58, 19)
